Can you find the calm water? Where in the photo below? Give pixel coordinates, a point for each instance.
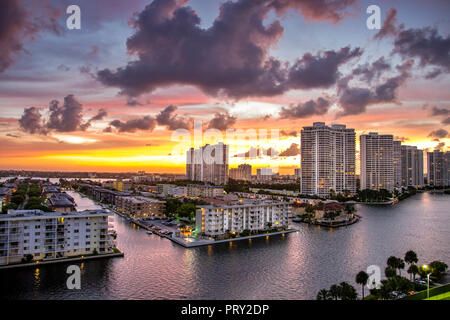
(292, 267)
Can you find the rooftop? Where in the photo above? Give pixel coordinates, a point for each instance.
(39, 214)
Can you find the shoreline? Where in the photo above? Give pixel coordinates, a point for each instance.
(200, 243)
(62, 260)
(343, 224)
(204, 242)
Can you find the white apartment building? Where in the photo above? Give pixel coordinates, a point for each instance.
(377, 164)
(412, 166)
(255, 215)
(327, 159)
(208, 164)
(52, 235)
(204, 191)
(397, 163)
(437, 168)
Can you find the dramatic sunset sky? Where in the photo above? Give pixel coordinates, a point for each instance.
(110, 96)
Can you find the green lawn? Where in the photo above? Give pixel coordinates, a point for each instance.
(436, 293)
(443, 296)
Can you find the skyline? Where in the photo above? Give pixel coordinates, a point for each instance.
(336, 71)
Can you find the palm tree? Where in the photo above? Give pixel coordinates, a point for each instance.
(411, 257)
(335, 291)
(390, 272)
(361, 278)
(348, 292)
(413, 270)
(392, 262)
(400, 266)
(323, 295)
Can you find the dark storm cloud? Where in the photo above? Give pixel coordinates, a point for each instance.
(222, 121)
(354, 100)
(228, 59)
(292, 151)
(20, 24)
(440, 134)
(173, 122)
(66, 117)
(320, 71)
(446, 121)
(307, 109)
(146, 123)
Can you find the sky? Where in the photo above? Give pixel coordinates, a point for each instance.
(123, 93)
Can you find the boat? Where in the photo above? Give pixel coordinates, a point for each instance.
(149, 232)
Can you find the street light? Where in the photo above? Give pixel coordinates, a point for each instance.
(425, 268)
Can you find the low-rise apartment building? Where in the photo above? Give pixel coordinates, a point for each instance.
(217, 220)
(204, 191)
(138, 207)
(35, 235)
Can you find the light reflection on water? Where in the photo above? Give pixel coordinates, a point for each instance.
(295, 266)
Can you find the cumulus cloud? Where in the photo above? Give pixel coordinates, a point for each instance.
(389, 27)
(256, 152)
(402, 139)
(369, 72)
(440, 146)
(354, 100)
(285, 133)
(146, 123)
(231, 58)
(12, 135)
(292, 151)
(222, 121)
(424, 44)
(439, 134)
(306, 109)
(66, 117)
(446, 121)
(101, 114)
(31, 121)
(133, 102)
(167, 118)
(435, 111)
(20, 24)
(318, 10)
(320, 71)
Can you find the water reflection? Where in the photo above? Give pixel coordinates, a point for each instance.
(295, 266)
